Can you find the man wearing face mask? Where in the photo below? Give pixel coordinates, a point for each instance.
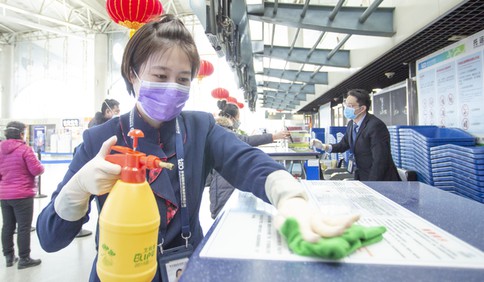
(368, 140)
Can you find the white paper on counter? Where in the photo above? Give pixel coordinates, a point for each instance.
(246, 231)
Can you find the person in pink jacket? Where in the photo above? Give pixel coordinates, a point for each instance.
(18, 168)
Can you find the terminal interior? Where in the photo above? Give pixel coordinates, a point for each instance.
(61, 59)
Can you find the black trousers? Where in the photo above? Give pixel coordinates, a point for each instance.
(21, 212)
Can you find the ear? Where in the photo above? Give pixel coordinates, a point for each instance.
(132, 76)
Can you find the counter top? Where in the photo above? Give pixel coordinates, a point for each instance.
(458, 216)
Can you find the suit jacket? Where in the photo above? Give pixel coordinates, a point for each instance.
(371, 150)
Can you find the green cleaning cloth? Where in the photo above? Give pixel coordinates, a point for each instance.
(354, 237)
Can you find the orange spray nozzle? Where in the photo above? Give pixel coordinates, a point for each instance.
(134, 163)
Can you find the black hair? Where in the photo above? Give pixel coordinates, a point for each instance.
(14, 129)
(228, 110)
(362, 97)
(160, 34)
(109, 104)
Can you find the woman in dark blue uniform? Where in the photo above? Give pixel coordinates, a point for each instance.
(159, 63)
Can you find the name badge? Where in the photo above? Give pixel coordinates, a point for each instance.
(173, 262)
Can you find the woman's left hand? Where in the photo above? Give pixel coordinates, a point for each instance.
(312, 222)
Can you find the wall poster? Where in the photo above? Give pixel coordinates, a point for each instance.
(450, 86)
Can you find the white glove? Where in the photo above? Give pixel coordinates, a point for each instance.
(96, 177)
(312, 223)
(290, 199)
(318, 144)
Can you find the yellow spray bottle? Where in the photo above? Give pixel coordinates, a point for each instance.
(129, 219)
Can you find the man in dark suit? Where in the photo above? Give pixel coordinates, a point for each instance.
(367, 138)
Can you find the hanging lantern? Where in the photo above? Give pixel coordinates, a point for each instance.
(240, 105)
(206, 69)
(220, 93)
(231, 100)
(133, 14)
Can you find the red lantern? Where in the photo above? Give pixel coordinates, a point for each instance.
(133, 14)
(220, 93)
(231, 100)
(206, 69)
(240, 105)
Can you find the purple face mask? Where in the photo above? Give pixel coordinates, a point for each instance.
(162, 101)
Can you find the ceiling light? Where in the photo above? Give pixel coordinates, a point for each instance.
(457, 37)
(389, 74)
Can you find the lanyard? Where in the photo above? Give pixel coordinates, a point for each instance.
(180, 154)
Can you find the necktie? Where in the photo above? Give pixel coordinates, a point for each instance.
(355, 128)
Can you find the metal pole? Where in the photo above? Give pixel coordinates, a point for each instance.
(39, 195)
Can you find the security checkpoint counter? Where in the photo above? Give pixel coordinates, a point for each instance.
(443, 216)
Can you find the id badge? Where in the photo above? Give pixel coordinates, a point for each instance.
(173, 262)
(351, 166)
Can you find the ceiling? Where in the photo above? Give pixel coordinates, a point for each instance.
(289, 55)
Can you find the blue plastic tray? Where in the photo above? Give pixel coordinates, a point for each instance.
(458, 164)
(439, 134)
(425, 165)
(477, 159)
(469, 196)
(469, 190)
(469, 184)
(464, 149)
(466, 175)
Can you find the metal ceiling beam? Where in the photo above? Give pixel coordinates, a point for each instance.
(336, 9)
(8, 19)
(369, 10)
(317, 57)
(280, 94)
(348, 21)
(300, 76)
(95, 8)
(42, 17)
(279, 106)
(284, 96)
(290, 87)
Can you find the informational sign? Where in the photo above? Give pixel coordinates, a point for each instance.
(247, 231)
(450, 86)
(71, 122)
(39, 138)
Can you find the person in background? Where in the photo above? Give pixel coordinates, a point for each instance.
(159, 63)
(109, 109)
(229, 118)
(18, 168)
(367, 138)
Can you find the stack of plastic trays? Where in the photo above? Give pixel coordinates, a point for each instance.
(415, 144)
(336, 133)
(395, 144)
(463, 167)
(395, 140)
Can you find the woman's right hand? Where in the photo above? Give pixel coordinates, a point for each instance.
(96, 177)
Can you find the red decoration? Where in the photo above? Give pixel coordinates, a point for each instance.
(206, 69)
(240, 105)
(220, 93)
(133, 13)
(231, 100)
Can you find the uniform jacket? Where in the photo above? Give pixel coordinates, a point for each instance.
(206, 145)
(220, 189)
(18, 168)
(371, 150)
